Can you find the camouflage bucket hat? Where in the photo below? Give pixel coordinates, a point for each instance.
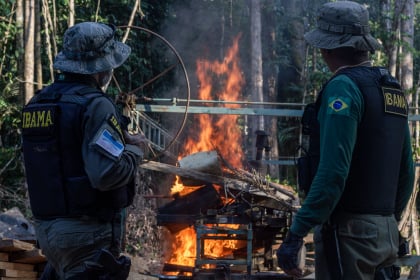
(90, 48)
(342, 24)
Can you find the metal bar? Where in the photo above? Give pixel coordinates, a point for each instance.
(233, 111)
(249, 251)
(219, 110)
(279, 162)
(175, 100)
(414, 118)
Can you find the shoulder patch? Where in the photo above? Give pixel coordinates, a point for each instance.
(113, 121)
(339, 106)
(109, 143)
(395, 102)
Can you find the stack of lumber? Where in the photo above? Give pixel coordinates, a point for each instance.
(20, 260)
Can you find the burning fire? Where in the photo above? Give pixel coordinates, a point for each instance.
(219, 80)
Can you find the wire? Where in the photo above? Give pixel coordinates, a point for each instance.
(181, 62)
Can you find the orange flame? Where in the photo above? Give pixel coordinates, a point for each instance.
(184, 247)
(219, 80)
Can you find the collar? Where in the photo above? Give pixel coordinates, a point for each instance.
(367, 63)
(77, 78)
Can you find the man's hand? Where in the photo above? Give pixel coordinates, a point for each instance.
(287, 254)
(135, 139)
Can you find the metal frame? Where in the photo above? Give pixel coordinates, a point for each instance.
(204, 232)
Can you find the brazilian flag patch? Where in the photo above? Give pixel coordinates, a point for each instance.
(339, 106)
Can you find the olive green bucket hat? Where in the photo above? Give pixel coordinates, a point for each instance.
(89, 48)
(342, 24)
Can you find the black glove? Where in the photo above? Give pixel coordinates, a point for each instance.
(287, 254)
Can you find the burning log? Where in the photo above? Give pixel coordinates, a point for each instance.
(274, 194)
(188, 208)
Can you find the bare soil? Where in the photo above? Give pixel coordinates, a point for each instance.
(144, 268)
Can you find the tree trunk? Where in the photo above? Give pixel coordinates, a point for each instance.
(271, 71)
(38, 45)
(256, 123)
(20, 46)
(407, 31)
(290, 82)
(50, 45)
(395, 37)
(390, 21)
(71, 13)
(29, 43)
(416, 125)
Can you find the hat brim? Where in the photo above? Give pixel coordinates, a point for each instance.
(110, 61)
(327, 40)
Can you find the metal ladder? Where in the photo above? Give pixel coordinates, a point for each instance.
(158, 137)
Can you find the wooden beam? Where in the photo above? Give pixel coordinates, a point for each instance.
(285, 197)
(11, 245)
(31, 257)
(18, 273)
(16, 266)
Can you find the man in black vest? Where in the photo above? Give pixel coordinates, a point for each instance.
(365, 174)
(80, 161)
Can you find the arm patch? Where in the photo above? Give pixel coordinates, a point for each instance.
(108, 141)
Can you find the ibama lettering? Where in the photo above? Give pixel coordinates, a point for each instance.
(114, 122)
(395, 102)
(37, 119)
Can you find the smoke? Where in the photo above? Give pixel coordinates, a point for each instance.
(200, 30)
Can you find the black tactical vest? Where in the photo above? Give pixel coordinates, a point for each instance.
(373, 177)
(52, 129)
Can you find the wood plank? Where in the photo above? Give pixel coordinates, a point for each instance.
(34, 256)
(18, 273)
(4, 257)
(17, 266)
(11, 245)
(187, 173)
(17, 278)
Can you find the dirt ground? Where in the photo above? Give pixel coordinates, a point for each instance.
(143, 268)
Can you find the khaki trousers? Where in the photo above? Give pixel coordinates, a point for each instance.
(366, 244)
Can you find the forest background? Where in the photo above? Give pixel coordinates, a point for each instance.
(277, 66)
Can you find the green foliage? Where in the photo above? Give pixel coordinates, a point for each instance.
(12, 188)
(10, 116)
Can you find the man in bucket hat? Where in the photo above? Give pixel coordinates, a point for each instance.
(365, 169)
(80, 162)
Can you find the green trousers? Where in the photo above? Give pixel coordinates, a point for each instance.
(366, 244)
(69, 242)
